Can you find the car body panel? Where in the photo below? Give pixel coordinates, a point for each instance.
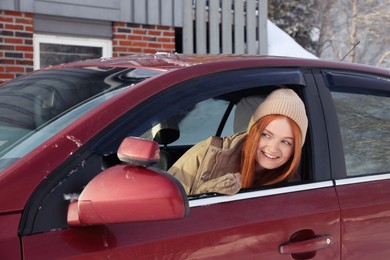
(176, 61)
(9, 239)
(365, 217)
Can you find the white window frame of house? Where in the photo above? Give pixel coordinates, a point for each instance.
(106, 45)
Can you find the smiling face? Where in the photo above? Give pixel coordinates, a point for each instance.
(276, 145)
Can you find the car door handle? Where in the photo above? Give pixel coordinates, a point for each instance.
(308, 245)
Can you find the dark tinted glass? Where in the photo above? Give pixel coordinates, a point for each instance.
(365, 128)
(54, 54)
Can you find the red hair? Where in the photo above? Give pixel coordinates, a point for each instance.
(249, 151)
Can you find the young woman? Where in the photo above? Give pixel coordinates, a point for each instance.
(267, 153)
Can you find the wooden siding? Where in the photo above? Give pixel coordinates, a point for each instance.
(225, 26)
(48, 24)
(153, 12)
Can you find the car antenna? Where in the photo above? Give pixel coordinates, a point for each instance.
(353, 47)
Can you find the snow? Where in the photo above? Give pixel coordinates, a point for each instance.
(281, 44)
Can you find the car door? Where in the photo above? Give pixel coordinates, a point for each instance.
(359, 126)
(299, 220)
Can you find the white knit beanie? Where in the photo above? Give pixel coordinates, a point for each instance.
(283, 102)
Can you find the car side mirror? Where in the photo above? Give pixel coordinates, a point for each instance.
(131, 192)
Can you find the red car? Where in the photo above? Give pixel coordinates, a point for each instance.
(84, 149)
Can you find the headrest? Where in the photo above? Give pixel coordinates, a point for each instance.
(166, 132)
(244, 110)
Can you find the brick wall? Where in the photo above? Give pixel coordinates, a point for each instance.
(134, 38)
(16, 44)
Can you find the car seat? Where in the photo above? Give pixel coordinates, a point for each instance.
(165, 133)
(244, 111)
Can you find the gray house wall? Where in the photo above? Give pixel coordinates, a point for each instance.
(154, 12)
(59, 25)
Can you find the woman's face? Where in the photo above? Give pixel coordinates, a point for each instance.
(276, 144)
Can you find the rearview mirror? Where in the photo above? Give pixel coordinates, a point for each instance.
(130, 193)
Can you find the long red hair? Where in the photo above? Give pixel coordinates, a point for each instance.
(249, 151)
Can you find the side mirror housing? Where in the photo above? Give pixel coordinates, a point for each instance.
(130, 193)
(139, 152)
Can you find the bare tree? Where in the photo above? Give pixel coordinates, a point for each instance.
(294, 17)
(357, 28)
(350, 30)
(353, 30)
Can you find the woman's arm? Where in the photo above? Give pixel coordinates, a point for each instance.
(186, 169)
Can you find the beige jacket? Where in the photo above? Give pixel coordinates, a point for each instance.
(209, 159)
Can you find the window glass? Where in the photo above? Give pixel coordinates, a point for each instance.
(36, 107)
(53, 54)
(203, 121)
(365, 122)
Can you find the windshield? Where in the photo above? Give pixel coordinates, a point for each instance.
(35, 107)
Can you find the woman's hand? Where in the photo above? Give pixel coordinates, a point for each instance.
(228, 184)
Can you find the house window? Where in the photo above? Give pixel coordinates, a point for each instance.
(53, 50)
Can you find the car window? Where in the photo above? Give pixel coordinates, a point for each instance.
(196, 123)
(364, 121)
(203, 121)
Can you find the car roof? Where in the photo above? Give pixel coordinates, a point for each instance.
(166, 61)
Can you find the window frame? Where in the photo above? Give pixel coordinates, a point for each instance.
(105, 45)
